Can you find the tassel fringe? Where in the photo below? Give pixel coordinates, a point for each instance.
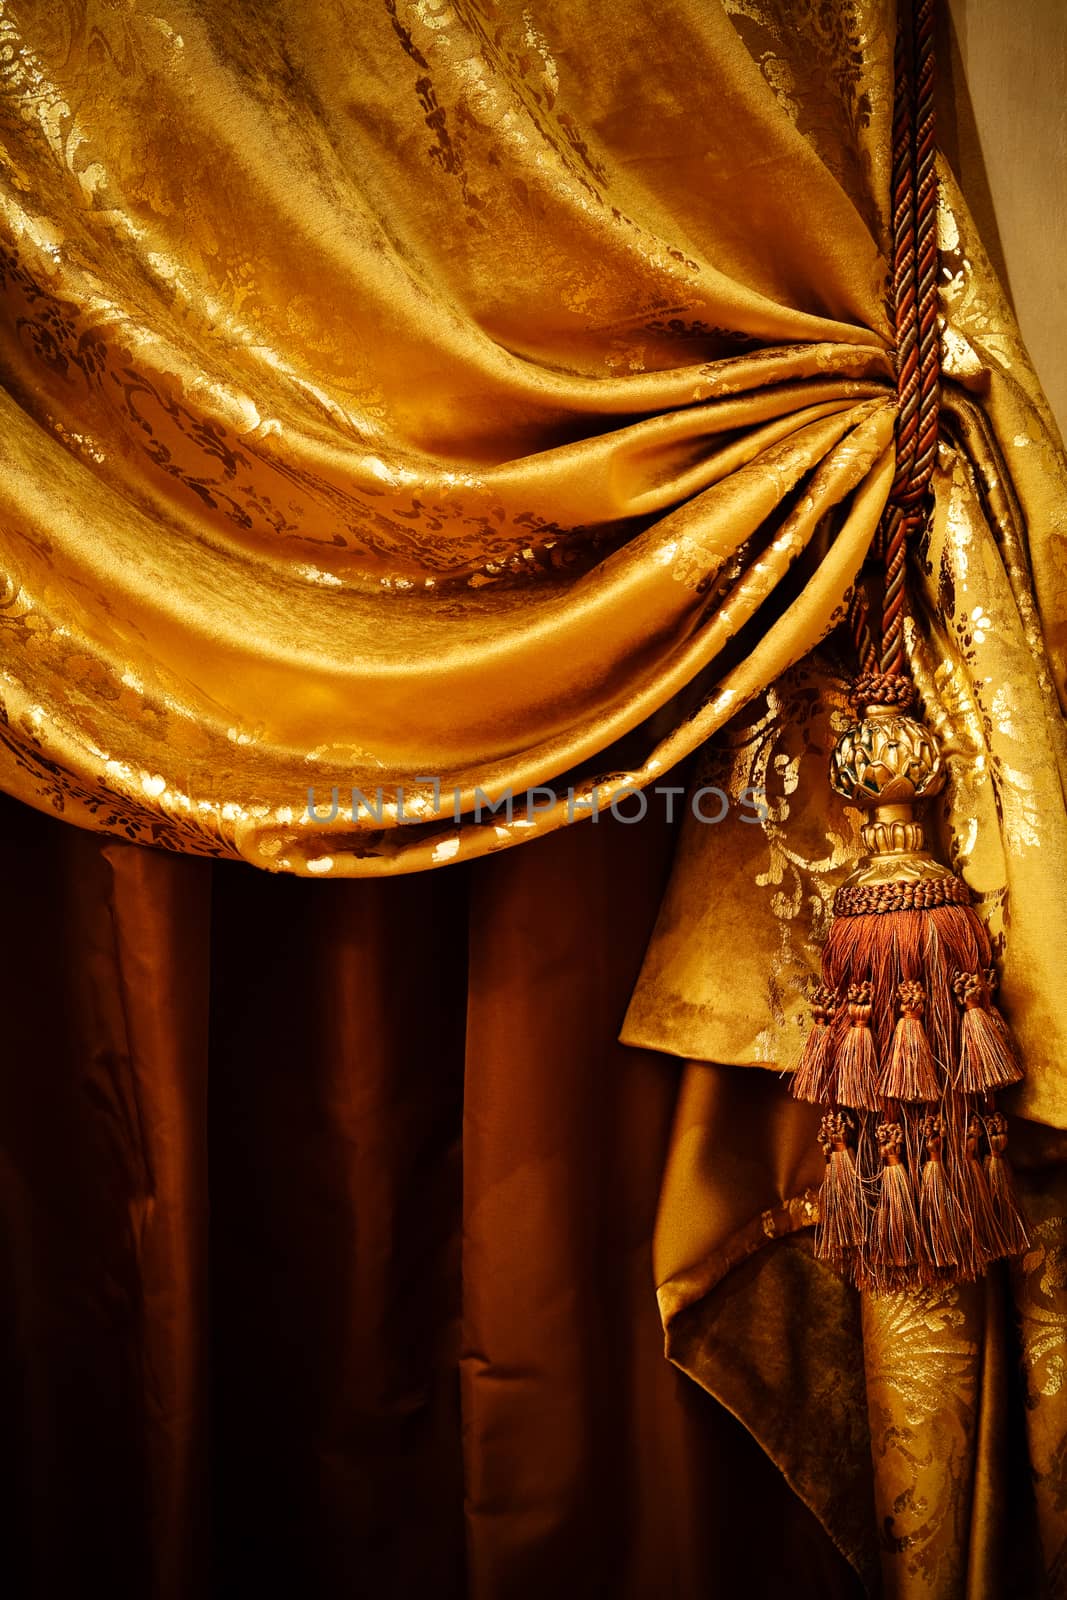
(895, 1237)
(905, 1048)
(857, 1059)
(911, 1073)
(814, 1077)
(984, 1234)
(937, 1205)
(987, 1060)
(841, 1222)
(1002, 1187)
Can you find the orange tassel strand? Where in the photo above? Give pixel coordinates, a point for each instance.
(937, 1205)
(911, 1073)
(984, 1238)
(896, 1226)
(857, 1060)
(987, 1060)
(1001, 1187)
(814, 1077)
(841, 1224)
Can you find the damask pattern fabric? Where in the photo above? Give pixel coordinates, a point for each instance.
(446, 408)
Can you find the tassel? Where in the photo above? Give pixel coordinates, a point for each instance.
(895, 1237)
(904, 946)
(1001, 1187)
(981, 1231)
(937, 1205)
(987, 1060)
(840, 1229)
(857, 1060)
(814, 1076)
(911, 1073)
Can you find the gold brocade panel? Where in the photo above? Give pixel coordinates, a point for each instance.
(427, 419)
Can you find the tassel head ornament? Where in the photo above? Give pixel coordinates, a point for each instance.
(909, 1043)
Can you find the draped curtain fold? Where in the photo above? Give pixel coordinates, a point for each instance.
(424, 418)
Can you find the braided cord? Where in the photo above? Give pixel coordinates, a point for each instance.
(914, 295)
(923, 894)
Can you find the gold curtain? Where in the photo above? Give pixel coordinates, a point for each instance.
(424, 399)
(450, 407)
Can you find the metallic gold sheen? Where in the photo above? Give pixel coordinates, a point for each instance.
(886, 834)
(886, 760)
(401, 391)
(895, 866)
(422, 417)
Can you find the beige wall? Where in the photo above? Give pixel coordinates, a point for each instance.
(1003, 125)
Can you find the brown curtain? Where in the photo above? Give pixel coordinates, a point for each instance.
(326, 1214)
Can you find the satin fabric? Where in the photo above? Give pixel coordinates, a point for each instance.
(329, 1219)
(326, 1217)
(423, 420)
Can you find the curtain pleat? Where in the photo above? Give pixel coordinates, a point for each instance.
(326, 1215)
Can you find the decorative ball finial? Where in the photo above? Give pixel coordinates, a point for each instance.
(882, 764)
(886, 759)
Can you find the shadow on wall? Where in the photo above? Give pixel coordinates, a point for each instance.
(1002, 123)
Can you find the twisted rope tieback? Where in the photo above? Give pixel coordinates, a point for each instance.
(914, 305)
